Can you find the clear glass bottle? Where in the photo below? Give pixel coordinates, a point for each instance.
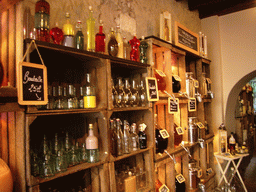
(119, 138)
(113, 143)
(120, 42)
(83, 153)
(50, 104)
(190, 87)
(134, 138)
(120, 92)
(135, 43)
(81, 98)
(89, 93)
(67, 149)
(59, 98)
(68, 30)
(65, 98)
(75, 99)
(90, 31)
(126, 49)
(42, 20)
(126, 141)
(92, 146)
(114, 94)
(56, 34)
(79, 37)
(70, 97)
(232, 144)
(142, 136)
(142, 94)
(127, 92)
(134, 98)
(143, 50)
(112, 44)
(100, 39)
(204, 86)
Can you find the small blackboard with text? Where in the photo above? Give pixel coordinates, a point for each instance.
(192, 104)
(164, 188)
(32, 84)
(173, 105)
(152, 89)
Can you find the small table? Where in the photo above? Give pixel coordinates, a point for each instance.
(230, 158)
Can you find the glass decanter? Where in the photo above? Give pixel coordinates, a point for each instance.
(127, 93)
(143, 50)
(112, 44)
(79, 37)
(57, 34)
(134, 98)
(135, 43)
(120, 92)
(142, 94)
(114, 94)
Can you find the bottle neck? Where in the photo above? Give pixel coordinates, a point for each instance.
(100, 29)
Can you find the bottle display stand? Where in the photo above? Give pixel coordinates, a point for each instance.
(235, 160)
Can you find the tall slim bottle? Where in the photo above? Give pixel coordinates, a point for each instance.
(119, 138)
(90, 31)
(120, 42)
(126, 142)
(42, 20)
(69, 32)
(100, 39)
(92, 146)
(134, 138)
(79, 38)
(113, 138)
(89, 93)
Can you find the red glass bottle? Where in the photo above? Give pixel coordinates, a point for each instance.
(100, 40)
(42, 20)
(56, 35)
(135, 43)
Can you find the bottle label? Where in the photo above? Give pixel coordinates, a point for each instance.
(180, 178)
(89, 102)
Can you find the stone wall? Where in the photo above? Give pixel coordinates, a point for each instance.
(140, 16)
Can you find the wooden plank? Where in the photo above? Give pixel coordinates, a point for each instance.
(11, 46)
(112, 177)
(7, 4)
(4, 46)
(4, 138)
(104, 178)
(95, 178)
(12, 140)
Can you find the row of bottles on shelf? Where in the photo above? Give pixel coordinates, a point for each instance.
(113, 44)
(128, 93)
(130, 178)
(192, 85)
(126, 139)
(56, 155)
(65, 96)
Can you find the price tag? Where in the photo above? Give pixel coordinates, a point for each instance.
(192, 105)
(199, 173)
(208, 80)
(180, 178)
(179, 130)
(196, 83)
(164, 133)
(200, 125)
(209, 171)
(161, 73)
(176, 77)
(164, 188)
(173, 105)
(152, 89)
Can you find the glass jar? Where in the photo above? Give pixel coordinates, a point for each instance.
(190, 87)
(192, 130)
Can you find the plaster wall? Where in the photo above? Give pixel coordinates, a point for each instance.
(144, 13)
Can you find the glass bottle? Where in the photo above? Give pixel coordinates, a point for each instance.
(81, 98)
(67, 149)
(60, 164)
(90, 31)
(142, 94)
(69, 33)
(83, 153)
(177, 137)
(113, 144)
(180, 187)
(142, 136)
(204, 85)
(120, 42)
(126, 49)
(56, 34)
(59, 98)
(114, 94)
(143, 50)
(112, 44)
(126, 137)
(161, 143)
(50, 104)
(75, 99)
(89, 93)
(135, 43)
(134, 138)
(120, 92)
(46, 167)
(134, 98)
(161, 82)
(190, 88)
(232, 144)
(119, 138)
(223, 145)
(100, 39)
(65, 98)
(70, 97)
(127, 92)
(92, 146)
(79, 37)
(74, 158)
(175, 84)
(42, 20)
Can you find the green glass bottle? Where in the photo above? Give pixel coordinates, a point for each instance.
(90, 31)
(79, 37)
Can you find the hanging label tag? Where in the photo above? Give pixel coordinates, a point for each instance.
(180, 178)
(164, 188)
(192, 104)
(208, 80)
(176, 77)
(200, 125)
(199, 173)
(161, 73)
(179, 130)
(164, 133)
(196, 84)
(209, 171)
(173, 105)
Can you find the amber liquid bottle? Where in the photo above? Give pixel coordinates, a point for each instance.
(112, 44)
(161, 143)
(177, 137)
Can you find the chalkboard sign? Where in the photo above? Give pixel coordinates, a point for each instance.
(32, 84)
(180, 178)
(173, 105)
(186, 39)
(164, 188)
(152, 90)
(192, 104)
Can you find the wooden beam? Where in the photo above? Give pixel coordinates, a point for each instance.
(7, 4)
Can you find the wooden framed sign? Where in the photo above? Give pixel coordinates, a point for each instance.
(179, 130)
(180, 178)
(186, 39)
(173, 105)
(200, 125)
(32, 84)
(164, 133)
(164, 188)
(152, 89)
(192, 104)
